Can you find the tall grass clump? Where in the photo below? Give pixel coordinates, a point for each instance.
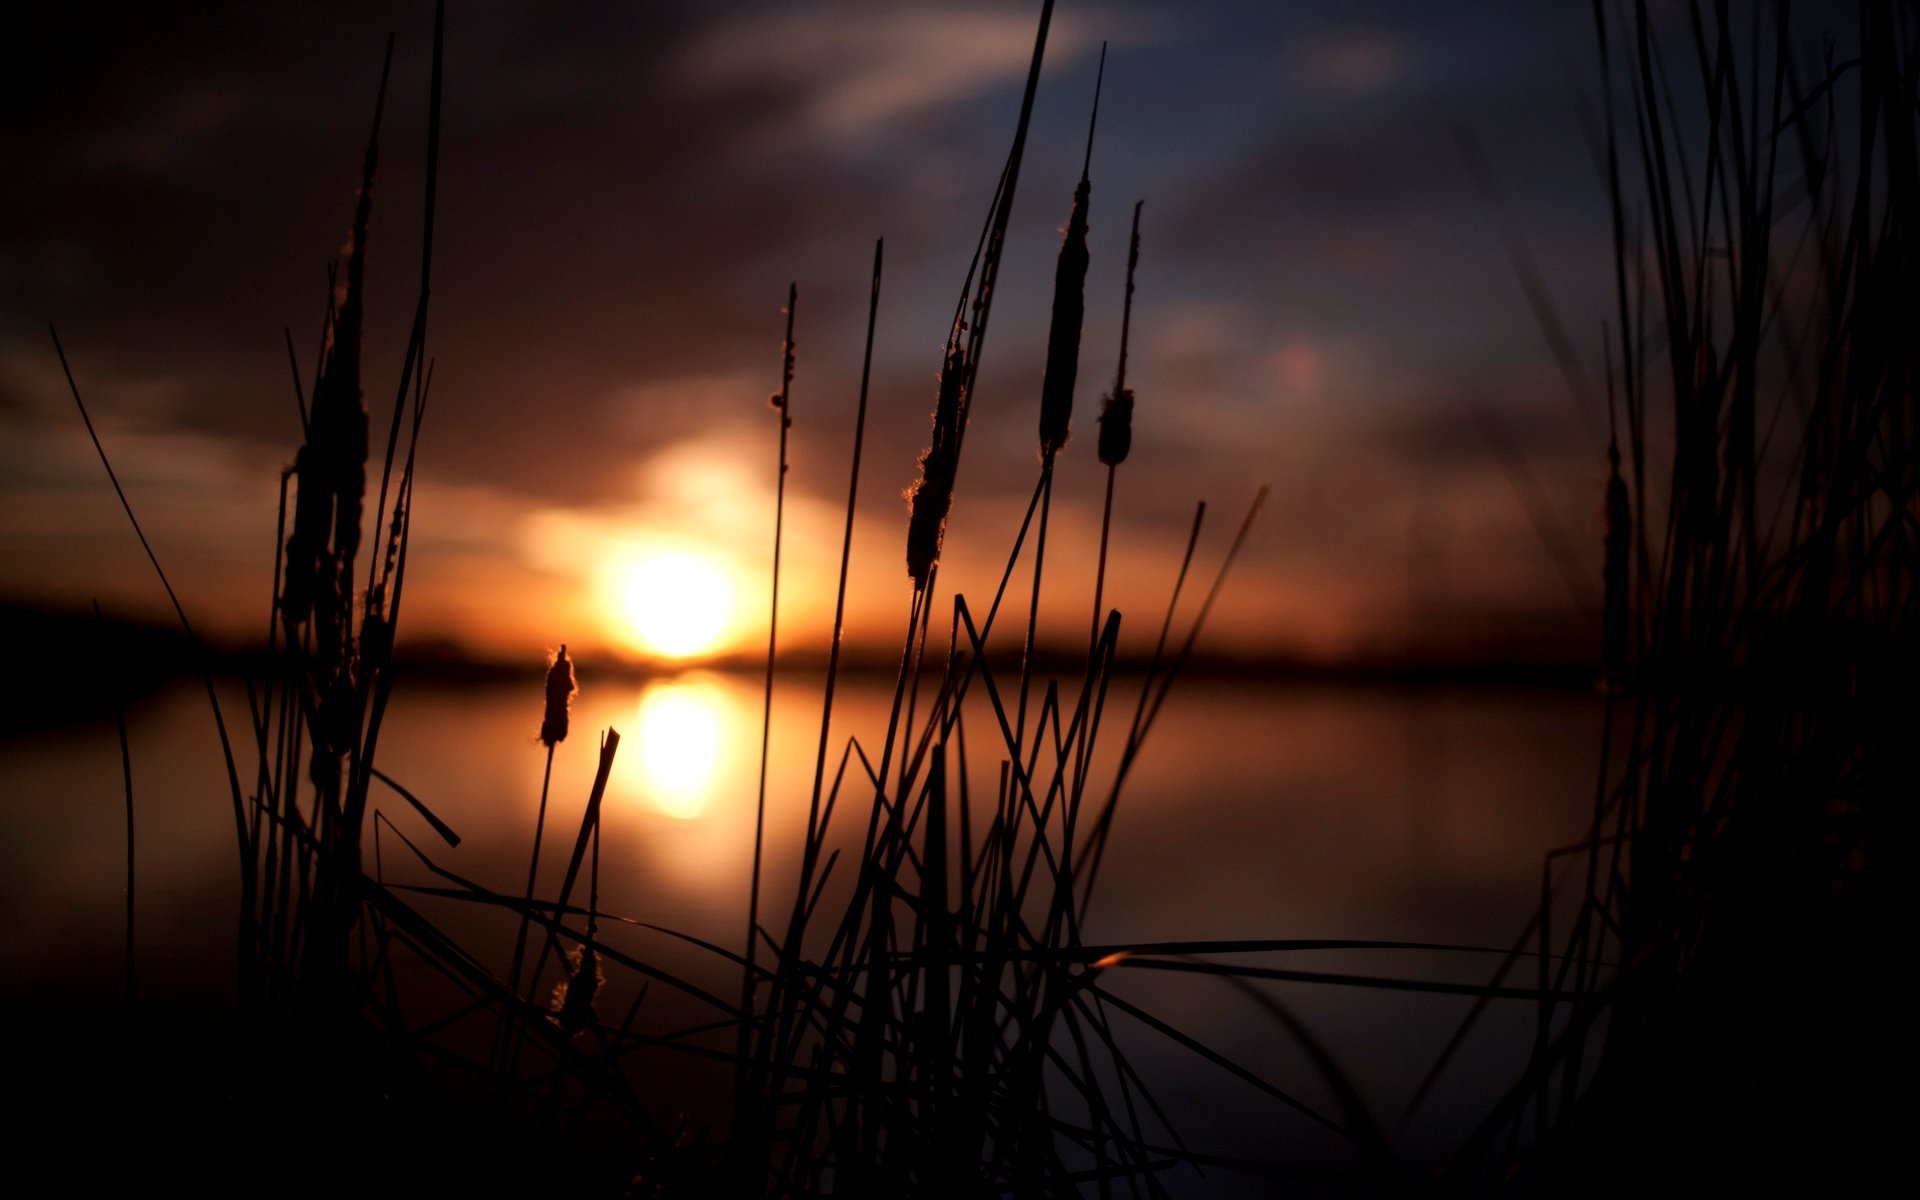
(1724, 1012)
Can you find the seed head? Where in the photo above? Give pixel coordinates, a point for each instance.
(1116, 408)
(1063, 335)
(572, 999)
(1116, 427)
(932, 494)
(560, 692)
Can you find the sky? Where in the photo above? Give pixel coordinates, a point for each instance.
(1327, 305)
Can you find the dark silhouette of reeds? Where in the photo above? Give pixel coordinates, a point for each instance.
(1720, 1008)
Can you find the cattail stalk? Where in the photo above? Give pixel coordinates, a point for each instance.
(1069, 304)
(929, 501)
(332, 468)
(932, 496)
(561, 689)
(1116, 421)
(1056, 385)
(332, 464)
(1113, 444)
(780, 402)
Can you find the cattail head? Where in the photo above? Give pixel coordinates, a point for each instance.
(312, 506)
(1619, 537)
(332, 464)
(1116, 409)
(1116, 427)
(932, 494)
(572, 1000)
(337, 431)
(560, 691)
(1063, 334)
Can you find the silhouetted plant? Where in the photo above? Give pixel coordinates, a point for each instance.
(1721, 1007)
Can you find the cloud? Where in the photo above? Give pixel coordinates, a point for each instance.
(865, 70)
(1349, 63)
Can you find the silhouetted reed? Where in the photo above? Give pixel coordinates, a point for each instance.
(1116, 407)
(1069, 305)
(931, 496)
(561, 689)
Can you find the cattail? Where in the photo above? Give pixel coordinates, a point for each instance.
(344, 441)
(1116, 409)
(1116, 427)
(1069, 305)
(560, 691)
(1619, 534)
(332, 464)
(311, 508)
(572, 999)
(1063, 335)
(932, 494)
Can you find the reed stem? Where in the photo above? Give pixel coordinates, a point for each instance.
(782, 405)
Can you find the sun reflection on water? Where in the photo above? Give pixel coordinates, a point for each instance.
(683, 738)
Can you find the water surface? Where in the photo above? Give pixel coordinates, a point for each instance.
(1257, 811)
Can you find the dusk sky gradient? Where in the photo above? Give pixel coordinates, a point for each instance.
(1326, 299)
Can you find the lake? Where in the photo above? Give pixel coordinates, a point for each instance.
(1258, 810)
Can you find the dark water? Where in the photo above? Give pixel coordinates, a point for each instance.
(1256, 812)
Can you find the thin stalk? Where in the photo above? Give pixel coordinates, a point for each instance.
(781, 404)
(504, 1038)
(810, 856)
(810, 849)
(1100, 571)
(248, 863)
(533, 874)
(1033, 605)
(126, 777)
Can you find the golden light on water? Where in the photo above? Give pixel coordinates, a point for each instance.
(683, 736)
(673, 602)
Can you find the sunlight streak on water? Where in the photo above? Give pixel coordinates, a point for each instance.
(685, 727)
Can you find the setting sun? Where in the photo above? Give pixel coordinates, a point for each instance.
(676, 603)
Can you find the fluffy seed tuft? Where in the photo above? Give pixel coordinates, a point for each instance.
(932, 494)
(560, 692)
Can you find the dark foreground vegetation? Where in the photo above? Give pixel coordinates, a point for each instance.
(1753, 827)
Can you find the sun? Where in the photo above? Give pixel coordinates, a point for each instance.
(676, 603)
